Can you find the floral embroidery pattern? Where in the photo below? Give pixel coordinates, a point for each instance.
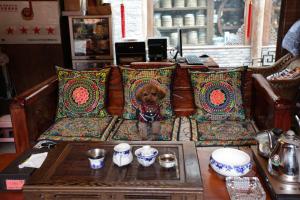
(80, 95)
(217, 97)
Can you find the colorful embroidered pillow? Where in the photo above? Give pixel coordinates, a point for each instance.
(218, 95)
(134, 79)
(81, 93)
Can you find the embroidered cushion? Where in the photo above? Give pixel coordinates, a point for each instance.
(223, 133)
(80, 129)
(81, 93)
(218, 95)
(134, 79)
(126, 129)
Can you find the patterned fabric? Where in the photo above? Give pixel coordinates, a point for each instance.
(134, 79)
(126, 129)
(218, 95)
(80, 129)
(223, 133)
(81, 93)
(185, 133)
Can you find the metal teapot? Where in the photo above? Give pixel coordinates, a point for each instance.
(284, 159)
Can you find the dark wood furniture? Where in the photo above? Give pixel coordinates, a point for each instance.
(213, 184)
(34, 111)
(66, 174)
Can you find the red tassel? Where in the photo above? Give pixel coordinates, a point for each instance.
(249, 20)
(123, 20)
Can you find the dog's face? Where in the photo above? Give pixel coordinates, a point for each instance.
(150, 94)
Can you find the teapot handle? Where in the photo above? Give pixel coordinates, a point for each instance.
(270, 139)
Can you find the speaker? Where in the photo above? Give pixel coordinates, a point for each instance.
(127, 52)
(157, 49)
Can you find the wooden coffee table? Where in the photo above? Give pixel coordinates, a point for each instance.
(66, 175)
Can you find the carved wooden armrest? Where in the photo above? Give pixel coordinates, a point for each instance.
(279, 65)
(269, 110)
(33, 112)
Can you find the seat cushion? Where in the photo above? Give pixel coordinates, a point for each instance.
(135, 79)
(223, 133)
(217, 95)
(81, 93)
(80, 129)
(126, 129)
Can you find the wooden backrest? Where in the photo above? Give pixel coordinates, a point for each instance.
(182, 95)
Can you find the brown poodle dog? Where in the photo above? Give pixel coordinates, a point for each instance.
(149, 112)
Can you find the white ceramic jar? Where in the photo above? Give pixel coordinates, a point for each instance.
(202, 37)
(156, 4)
(179, 3)
(189, 20)
(202, 3)
(157, 20)
(191, 3)
(166, 21)
(178, 21)
(166, 3)
(184, 38)
(192, 37)
(200, 19)
(174, 38)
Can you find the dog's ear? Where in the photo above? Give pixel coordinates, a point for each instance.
(161, 92)
(139, 94)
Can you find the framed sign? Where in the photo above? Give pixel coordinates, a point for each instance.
(26, 22)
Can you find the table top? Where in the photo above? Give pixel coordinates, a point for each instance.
(213, 184)
(68, 166)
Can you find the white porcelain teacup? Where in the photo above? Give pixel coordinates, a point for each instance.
(122, 154)
(146, 155)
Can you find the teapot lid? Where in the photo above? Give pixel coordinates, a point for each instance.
(291, 138)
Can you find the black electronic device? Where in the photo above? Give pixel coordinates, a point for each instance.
(157, 49)
(194, 60)
(127, 52)
(179, 44)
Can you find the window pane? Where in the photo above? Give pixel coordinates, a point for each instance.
(228, 22)
(189, 15)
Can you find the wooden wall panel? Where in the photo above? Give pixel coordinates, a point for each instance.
(31, 64)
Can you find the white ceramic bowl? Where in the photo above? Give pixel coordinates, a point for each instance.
(230, 162)
(146, 156)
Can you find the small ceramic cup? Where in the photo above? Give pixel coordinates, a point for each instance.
(96, 157)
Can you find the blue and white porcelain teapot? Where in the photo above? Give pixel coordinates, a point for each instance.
(122, 154)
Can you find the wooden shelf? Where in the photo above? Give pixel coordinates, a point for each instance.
(177, 27)
(179, 9)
